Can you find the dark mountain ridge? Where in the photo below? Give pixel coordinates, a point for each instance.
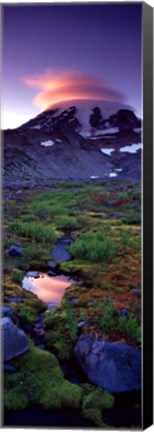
(70, 144)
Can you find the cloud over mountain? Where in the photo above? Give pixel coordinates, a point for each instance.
(69, 85)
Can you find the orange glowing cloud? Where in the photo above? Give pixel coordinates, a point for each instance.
(65, 86)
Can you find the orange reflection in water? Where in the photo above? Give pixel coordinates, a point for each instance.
(49, 289)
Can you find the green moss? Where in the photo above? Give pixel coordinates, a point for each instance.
(17, 275)
(39, 380)
(61, 329)
(94, 403)
(71, 395)
(15, 399)
(59, 342)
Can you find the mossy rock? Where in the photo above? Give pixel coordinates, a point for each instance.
(39, 380)
(94, 403)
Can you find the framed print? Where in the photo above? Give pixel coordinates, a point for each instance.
(77, 175)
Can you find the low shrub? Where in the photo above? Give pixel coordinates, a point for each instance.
(66, 222)
(132, 219)
(37, 232)
(29, 218)
(94, 247)
(130, 328)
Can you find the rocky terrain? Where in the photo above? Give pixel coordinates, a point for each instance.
(64, 145)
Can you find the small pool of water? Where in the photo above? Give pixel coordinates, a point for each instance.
(47, 288)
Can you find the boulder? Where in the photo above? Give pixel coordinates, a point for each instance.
(60, 254)
(15, 341)
(15, 300)
(5, 310)
(52, 264)
(9, 368)
(117, 215)
(81, 324)
(115, 367)
(74, 300)
(33, 274)
(124, 314)
(15, 250)
(136, 292)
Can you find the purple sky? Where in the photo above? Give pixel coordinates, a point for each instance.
(44, 45)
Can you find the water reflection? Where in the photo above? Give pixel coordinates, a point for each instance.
(47, 288)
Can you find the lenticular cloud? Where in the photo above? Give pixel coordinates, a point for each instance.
(54, 88)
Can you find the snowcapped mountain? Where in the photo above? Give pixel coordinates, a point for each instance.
(86, 117)
(78, 140)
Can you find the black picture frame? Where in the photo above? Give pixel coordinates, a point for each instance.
(147, 222)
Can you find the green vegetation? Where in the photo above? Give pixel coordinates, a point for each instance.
(34, 231)
(95, 247)
(40, 381)
(17, 275)
(105, 267)
(66, 222)
(93, 404)
(61, 329)
(130, 328)
(132, 219)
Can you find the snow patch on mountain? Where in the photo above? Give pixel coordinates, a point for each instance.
(107, 131)
(107, 151)
(113, 174)
(133, 148)
(36, 127)
(47, 143)
(84, 109)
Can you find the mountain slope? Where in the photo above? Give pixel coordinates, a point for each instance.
(85, 117)
(69, 142)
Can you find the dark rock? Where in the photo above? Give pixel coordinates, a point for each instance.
(15, 250)
(10, 219)
(117, 215)
(52, 264)
(9, 368)
(136, 292)
(51, 273)
(15, 300)
(5, 310)
(81, 324)
(115, 367)
(60, 254)
(124, 313)
(75, 300)
(111, 203)
(33, 274)
(66, 241)
(124, 119)
(15, 341)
